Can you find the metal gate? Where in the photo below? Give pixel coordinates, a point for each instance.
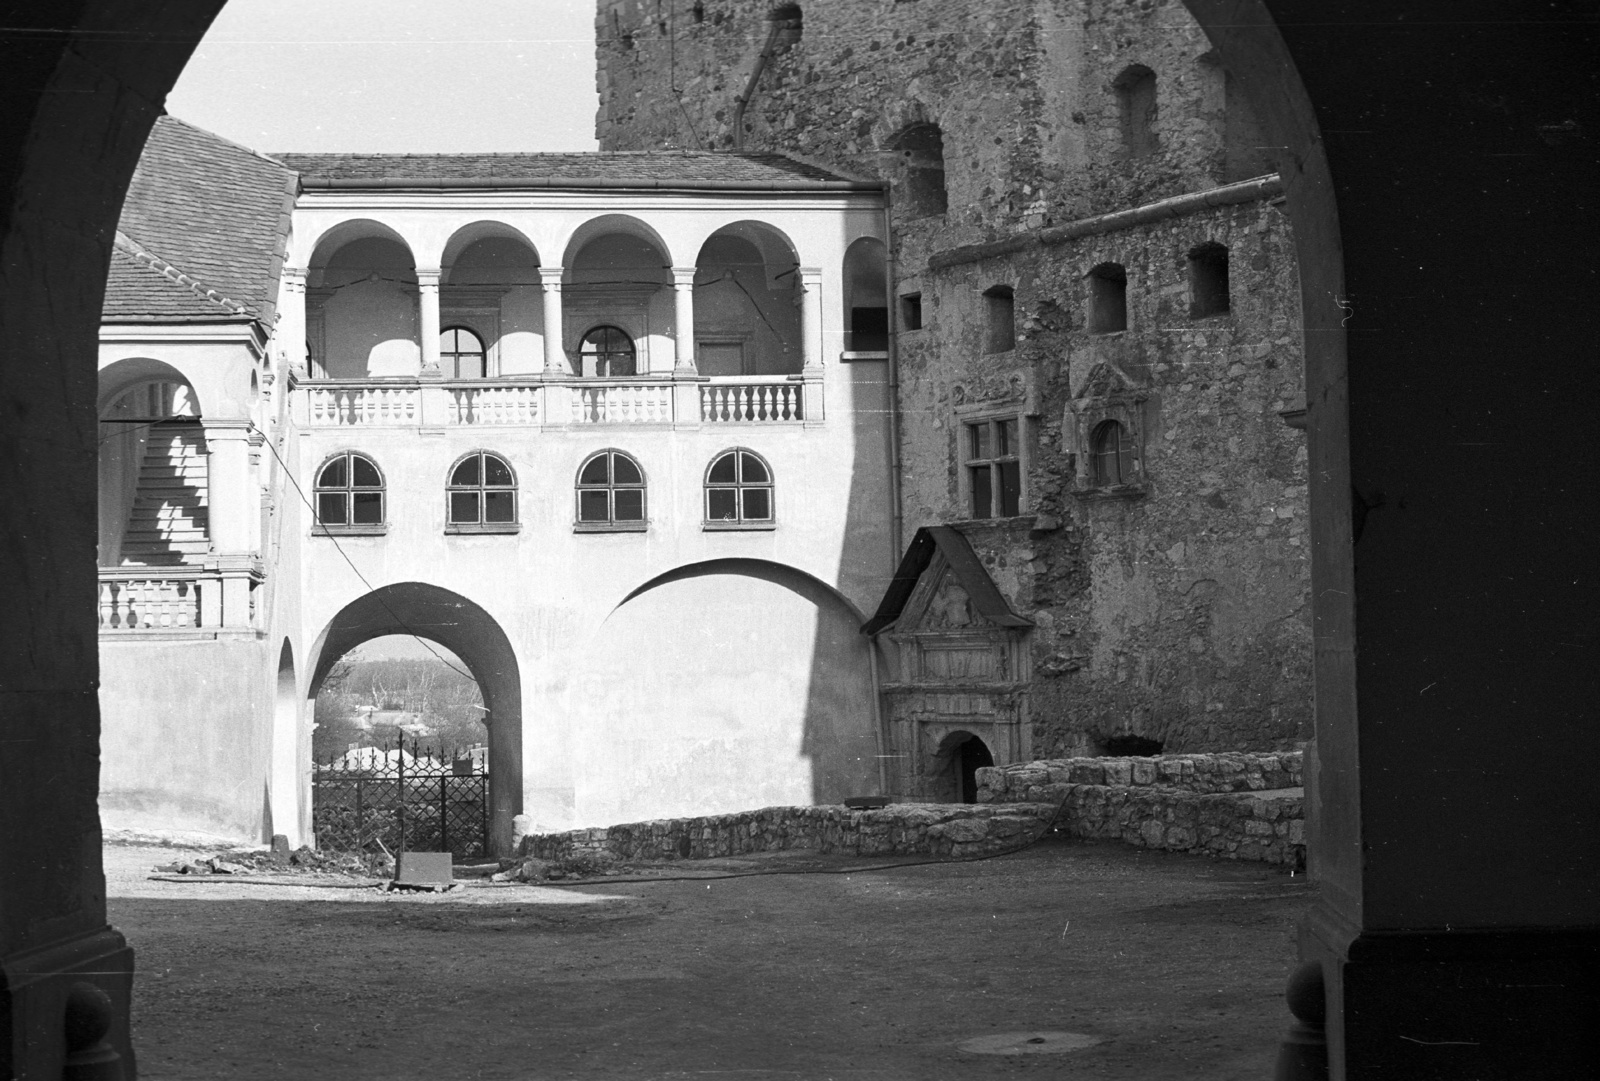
(407, 796)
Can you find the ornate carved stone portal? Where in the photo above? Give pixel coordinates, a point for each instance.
(958, 694)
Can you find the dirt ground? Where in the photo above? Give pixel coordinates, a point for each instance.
(1176, 963)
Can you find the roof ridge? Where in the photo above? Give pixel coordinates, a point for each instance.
(144, 256)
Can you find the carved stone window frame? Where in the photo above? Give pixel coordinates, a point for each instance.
(1084, 417)
(1020, 405)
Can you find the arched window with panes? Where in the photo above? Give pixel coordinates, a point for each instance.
(1111, 456)
(349, 495)
(608, 352)
(461, 354)
(482, 496)
(610, 494)
(739, 491)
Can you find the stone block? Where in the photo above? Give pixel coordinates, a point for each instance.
(961, 831)
(1144, 770)
(1086, 771)
(1118, 771)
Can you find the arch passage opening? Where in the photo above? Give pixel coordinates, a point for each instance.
(419, 738)
(955, 774)
(401, 752)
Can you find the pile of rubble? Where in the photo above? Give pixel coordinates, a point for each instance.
(281, 861)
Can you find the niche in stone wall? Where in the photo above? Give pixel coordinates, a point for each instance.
(1106, 425)
(920, 148)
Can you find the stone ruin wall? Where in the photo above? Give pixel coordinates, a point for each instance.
(945, 830)
(1234, 806)
(1180, 616)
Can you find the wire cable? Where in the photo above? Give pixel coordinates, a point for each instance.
(287, 472)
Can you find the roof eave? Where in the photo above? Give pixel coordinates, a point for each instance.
(495, 183)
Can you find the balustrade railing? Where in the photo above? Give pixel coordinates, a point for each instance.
(182, 598)
(771, 402)
(368, 405)
(486, 404)
(622, 403)
(146, 601)
(530, 401)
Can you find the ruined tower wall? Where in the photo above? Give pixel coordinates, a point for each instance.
(1175, 608)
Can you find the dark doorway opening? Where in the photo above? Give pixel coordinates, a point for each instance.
(954, 778)
(971, 757)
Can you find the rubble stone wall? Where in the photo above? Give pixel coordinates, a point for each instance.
(1201, 774)
(1175, 607)
(1236, 806)
(952, 830)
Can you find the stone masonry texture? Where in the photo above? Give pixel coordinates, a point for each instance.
(897, 830)
(1237, 806)
(1171, 608)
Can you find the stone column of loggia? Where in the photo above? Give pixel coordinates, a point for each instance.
(811, 341)
(685, 393)
(428, 311)
(555, 355)
(683, 361)
(231, 497)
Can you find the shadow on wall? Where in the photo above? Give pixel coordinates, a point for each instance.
(722, 686)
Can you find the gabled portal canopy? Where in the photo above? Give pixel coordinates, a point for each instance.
(964, 567)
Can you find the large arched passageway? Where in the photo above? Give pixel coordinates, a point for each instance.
(1395, 84)
(722, 686)
(472, 634)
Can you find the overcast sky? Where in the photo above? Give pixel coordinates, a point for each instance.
(395, 75)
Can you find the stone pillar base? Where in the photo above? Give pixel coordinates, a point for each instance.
(34, 986)
(1457, 1004)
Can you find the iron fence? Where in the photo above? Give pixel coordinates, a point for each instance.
(406, 796)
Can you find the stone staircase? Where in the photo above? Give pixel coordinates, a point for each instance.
(168, 523)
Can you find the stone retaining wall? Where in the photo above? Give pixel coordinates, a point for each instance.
(901, 829)
(1235, 805)
(1234, 771)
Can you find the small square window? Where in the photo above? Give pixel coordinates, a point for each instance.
(911, 311)
(1208, 281)
(1108, 299)
(1000, 310)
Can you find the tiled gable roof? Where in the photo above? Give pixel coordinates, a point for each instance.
(202, 232)
(651, 169)
(142, 287)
